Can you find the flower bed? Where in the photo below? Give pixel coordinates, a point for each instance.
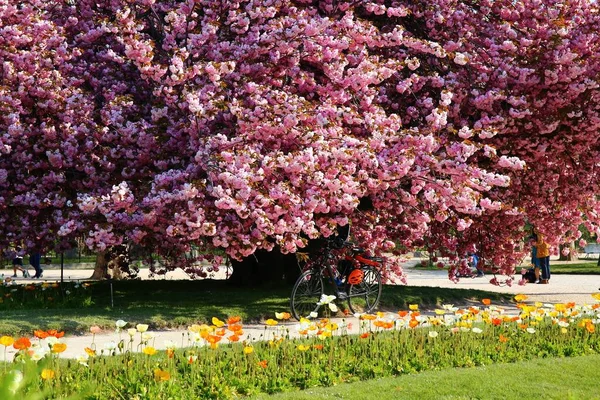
(214, 360)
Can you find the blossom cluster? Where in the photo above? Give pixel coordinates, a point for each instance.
(249, 124)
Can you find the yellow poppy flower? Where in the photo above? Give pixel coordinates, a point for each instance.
(413, 307)
(59, 347)
(302, 347)
(271, 322)
(217, 322)
(248, 350)
(149, 350)
(47, 374)
(7, 341)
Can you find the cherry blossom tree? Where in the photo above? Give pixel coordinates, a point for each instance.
(252, 125)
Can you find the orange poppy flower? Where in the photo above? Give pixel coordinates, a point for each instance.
(486, 302)
(59, 347)
(220, 332)
(263, 363)
(590, 327)
(234, 338)
(213, 339)
(413, 323)
(22, 343)
(414, 314)
(161, 375)
(368, 317)
(503, 339)
(90, 352)
(170, 353)
(496, 321)
(318, 346)
(233, 320)
(234, 327)
(40, 334)
(402, 314)
(55, 333)
(364, 335)
(283, 315)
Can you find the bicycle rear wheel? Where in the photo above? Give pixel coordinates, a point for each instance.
(306, 294)
(364, 297)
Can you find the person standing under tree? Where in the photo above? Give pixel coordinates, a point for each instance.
(543, 257)
(534, 260)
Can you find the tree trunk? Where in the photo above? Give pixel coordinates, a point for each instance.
(101, 267)
(573, 254)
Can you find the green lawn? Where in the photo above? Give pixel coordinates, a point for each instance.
(165, 304)
(554, 378)
(581, 268)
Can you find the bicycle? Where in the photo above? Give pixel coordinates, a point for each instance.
(360, 284)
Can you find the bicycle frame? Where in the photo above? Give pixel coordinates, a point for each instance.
(324, 263)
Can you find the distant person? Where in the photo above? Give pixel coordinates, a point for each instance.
(474, 263)
(543, 256)
(534, 260)
(35, 259)
(17, 263)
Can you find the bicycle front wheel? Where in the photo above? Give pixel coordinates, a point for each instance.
(306, 294)
(364, 297)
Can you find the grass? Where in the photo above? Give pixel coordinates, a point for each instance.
(555, 378)
(583, 267)
(169, 304)
(580, 268)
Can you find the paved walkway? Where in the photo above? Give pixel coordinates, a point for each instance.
(562, 289)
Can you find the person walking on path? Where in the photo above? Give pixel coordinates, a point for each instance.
(543, 257)
(17, 263)
(35, 259)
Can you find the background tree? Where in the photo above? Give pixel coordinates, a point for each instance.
(245, 125)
